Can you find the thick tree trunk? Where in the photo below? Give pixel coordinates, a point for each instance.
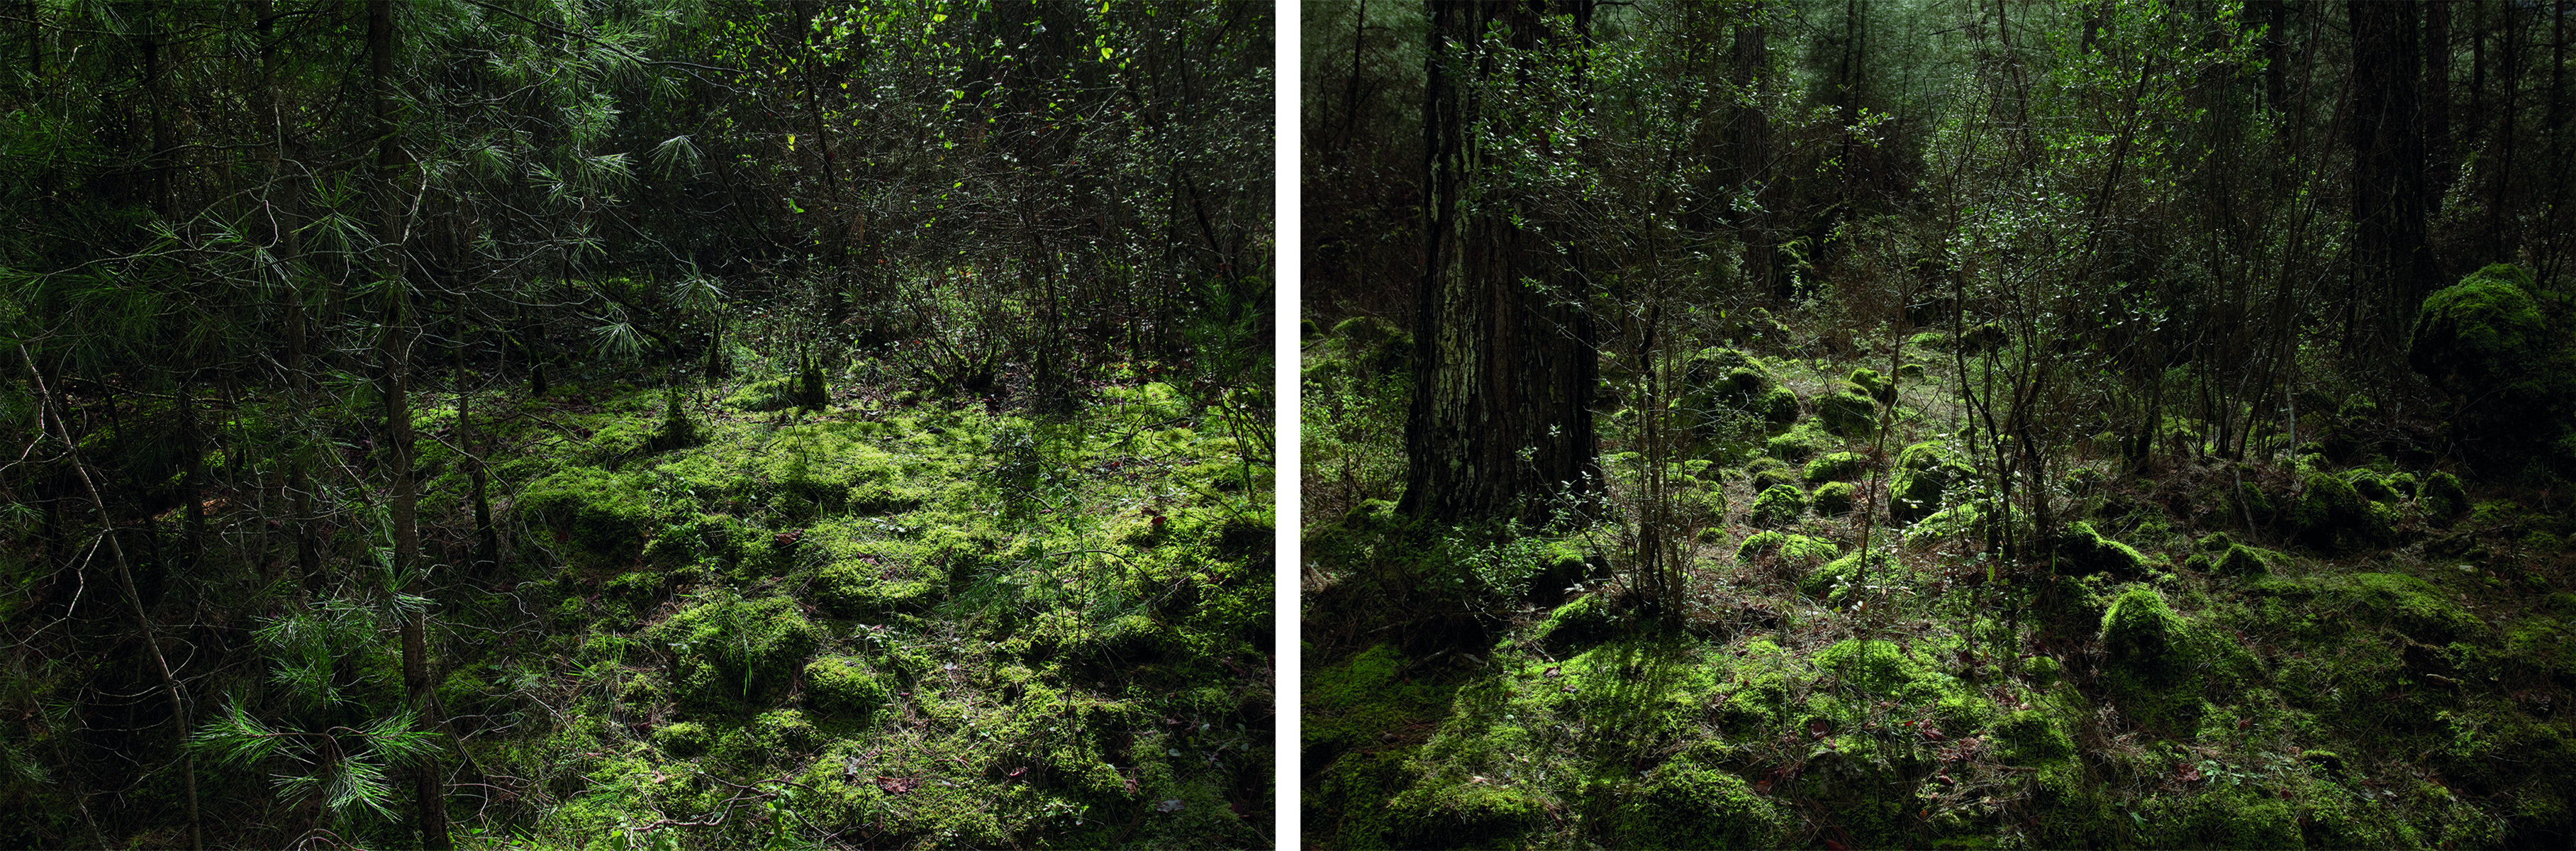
(2391, 261)
(1501, 423)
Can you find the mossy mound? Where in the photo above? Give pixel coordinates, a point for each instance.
(1766, 473)
(1924, 472)
(2142, 634)
(1839, 466)
(1730, 380)
(2086, 551)
(1799, 550)
(1779, 505)
(735, 650)
(2333, 517)
(1832, 499)
(602, 514)
(1850, 412)
(844, 687)
(2444, 500)
(1797, 444)
(2234, 559)
(1682, 804)
(1871, 384)
(2486, 342)
(1375, 346)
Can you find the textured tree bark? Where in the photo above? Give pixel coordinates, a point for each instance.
(1504, 357)
(2392, 263)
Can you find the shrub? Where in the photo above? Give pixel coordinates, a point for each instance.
(1779, 505)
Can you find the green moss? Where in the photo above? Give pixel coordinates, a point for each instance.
(1833, 499)
(2031, 736)
(1350, 703)
(769, 395)
(2487, 344)
(1842, 466)
(1796, 445)
(1684, 805)
(2371, 487)
(2406, 603)
(1789, 547)
(1849, 413)
(731, 649)
(1780, 505)
(1731, 380)
(1831, 581)
(601, 513)
(1874, 385)
(683, 739)
(1766, 473)
(1980, 337)
(844, 687)
(2332, 517)
(2143, 634)
(2086, 551)
(2444, 499)
(1468, 815)
(1924, 471)
(2403, 483)
(2235, 560)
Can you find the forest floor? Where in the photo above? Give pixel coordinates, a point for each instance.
(886, 623)
(2175, 680)
(889, 621)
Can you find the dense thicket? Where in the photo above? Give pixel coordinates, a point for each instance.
(282, 283)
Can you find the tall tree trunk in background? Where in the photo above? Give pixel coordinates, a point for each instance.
(487, 544)
(1750, 127)
(2440, 168)
(394, 351)
(2391, 261)
(2509, 49)
(1504, 357)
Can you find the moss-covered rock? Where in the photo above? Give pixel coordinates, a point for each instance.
(2333, 517)
(1843, 466)
(2144, 635)
(1800, 549)
(1796, 445)
(1833, 580)
(1981, 337)
(1765, 473)
(1778, 506)
(601, 513)
(2030, 736)
(731, 649)
(2234, 559)
(1849, 413)
(1682, 804)
(1468, 814)
(1924, 472)
(2444, 500)
(2486, 342)
(1870, 383)
(1832, 499)
(844, 687)
(1729, 380)
(2088, 552)
(2405, 603)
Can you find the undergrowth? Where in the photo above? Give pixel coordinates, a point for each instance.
(2389, 667)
